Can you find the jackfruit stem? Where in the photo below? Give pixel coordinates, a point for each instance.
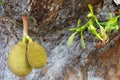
(25, 30)
(25, 26)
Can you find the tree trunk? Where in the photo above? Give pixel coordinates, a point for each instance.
(49, 22)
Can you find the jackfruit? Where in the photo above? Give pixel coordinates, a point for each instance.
(17, 60)
(36, 55)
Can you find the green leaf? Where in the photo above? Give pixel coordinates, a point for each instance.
(91, 14)
(78, 23)
(93, 30)
(111, 24)
(70, 40)
(82, 41)
(90, 8)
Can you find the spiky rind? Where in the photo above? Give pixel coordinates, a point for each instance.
(17, 60)
(36, 55)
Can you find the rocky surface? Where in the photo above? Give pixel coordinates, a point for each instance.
(49, 21)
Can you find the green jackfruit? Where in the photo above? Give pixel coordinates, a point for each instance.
(17, 60)
(36, 55)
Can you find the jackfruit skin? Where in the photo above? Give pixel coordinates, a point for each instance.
(17, 60)
(36, 55)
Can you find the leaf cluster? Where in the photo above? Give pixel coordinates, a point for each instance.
(104, 27)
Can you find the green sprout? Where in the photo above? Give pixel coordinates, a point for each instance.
(104, 27)
(80, 30)
(94, 19)
(111, 24)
